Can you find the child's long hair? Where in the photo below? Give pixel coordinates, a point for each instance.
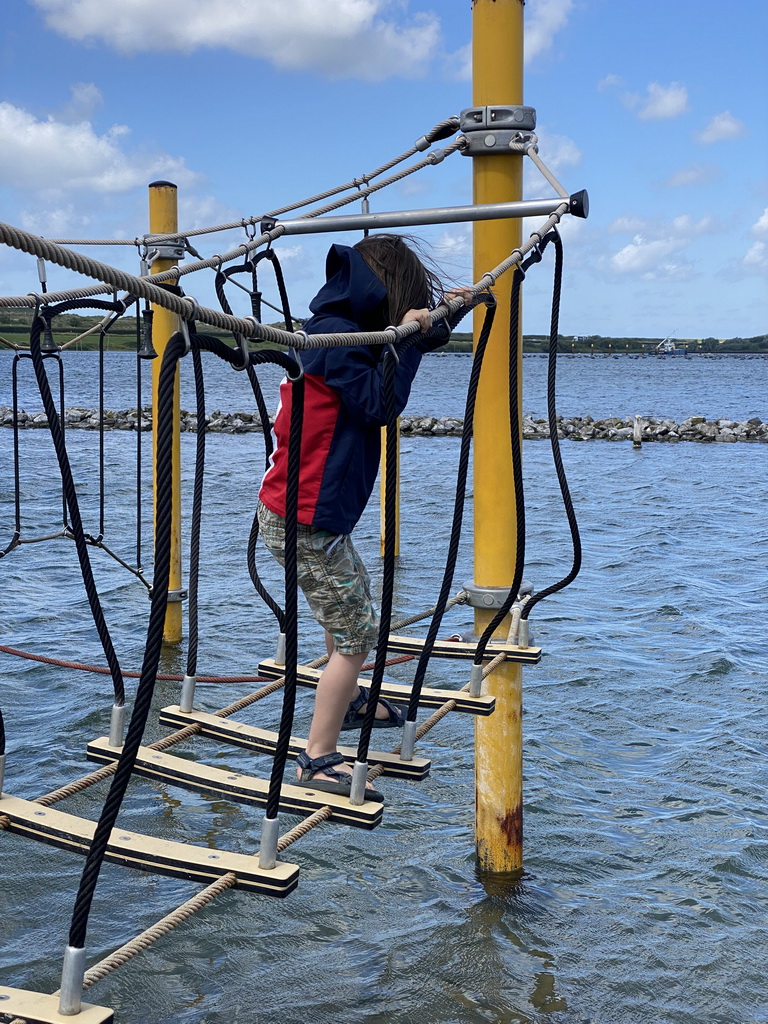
(409, 284)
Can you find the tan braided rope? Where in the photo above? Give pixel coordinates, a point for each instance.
(188, 308)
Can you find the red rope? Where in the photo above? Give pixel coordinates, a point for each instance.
(103, 670)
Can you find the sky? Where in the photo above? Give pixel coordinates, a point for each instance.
(658, 108)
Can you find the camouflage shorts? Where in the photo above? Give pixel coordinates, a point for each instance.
(333, 578)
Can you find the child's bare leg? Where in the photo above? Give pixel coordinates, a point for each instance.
(335, 689)
(381, 711)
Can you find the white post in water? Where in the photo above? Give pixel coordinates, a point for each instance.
(637, 436)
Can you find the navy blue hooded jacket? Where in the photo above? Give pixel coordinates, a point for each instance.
(344, 401)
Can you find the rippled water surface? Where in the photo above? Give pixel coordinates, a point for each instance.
(646, 832)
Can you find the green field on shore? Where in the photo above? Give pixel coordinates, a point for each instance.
(14, 331)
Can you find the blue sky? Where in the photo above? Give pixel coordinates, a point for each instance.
(659, 108)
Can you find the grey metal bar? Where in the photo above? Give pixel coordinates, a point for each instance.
(412, 218)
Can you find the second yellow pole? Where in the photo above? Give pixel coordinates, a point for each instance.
(497, 61)
(163, 219)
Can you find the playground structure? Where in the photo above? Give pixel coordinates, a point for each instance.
(497, 136)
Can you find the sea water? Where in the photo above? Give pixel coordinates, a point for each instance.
(646, 833)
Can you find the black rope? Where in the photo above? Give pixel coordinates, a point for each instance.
(517, 466)
(139, 445)
(222, 277)
(2, 734)
(162, 565)
(15, 539)
(458, 512)
(102, 334)
(291, 594)
(233, 356)
(388, 569)
(197, 512)
(71, 502)
(554, 441)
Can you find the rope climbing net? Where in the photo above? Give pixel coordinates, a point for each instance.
(163, 289)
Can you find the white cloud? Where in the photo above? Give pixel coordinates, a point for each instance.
(651, 258)
(722, 128)
(54, 156)
(84, 101)
(609, 82)
(544, 19)
(756, 257)
(56, 221)
(655, 250)
(340, 38)
(698, 174)
(557, 152)
(760, 227)
(627, 224)
(660, 102)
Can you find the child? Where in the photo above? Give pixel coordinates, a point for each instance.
(378, 282)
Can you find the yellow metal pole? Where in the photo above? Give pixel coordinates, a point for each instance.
(383, 486)
(497, 61)
(163, 219)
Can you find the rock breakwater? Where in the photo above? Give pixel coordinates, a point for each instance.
(572, 428)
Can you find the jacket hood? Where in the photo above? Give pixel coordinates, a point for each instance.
(351, 290)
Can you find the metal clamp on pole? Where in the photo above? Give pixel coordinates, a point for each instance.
(167, 249)
(176, 596)
(492, 597)
(497, 130)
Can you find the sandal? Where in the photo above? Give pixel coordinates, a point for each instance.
(311, 766)
(354, 720)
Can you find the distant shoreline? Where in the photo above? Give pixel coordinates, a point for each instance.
(14, 330)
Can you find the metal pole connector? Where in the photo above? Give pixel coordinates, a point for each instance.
(72, 974)
(280, 649)
(187, 698)
(476, 681)
(359, 779)
(409, 741)
(117, 725)
(268, 850)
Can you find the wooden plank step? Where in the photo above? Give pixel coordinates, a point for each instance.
(131, 849)
(227, 730)
(458, 649)
(220, 782)
(38, 1008)
(430, 697)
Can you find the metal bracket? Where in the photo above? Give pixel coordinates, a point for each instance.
(490, 130)
(492, 597)
(165, 250)
(174, 596)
